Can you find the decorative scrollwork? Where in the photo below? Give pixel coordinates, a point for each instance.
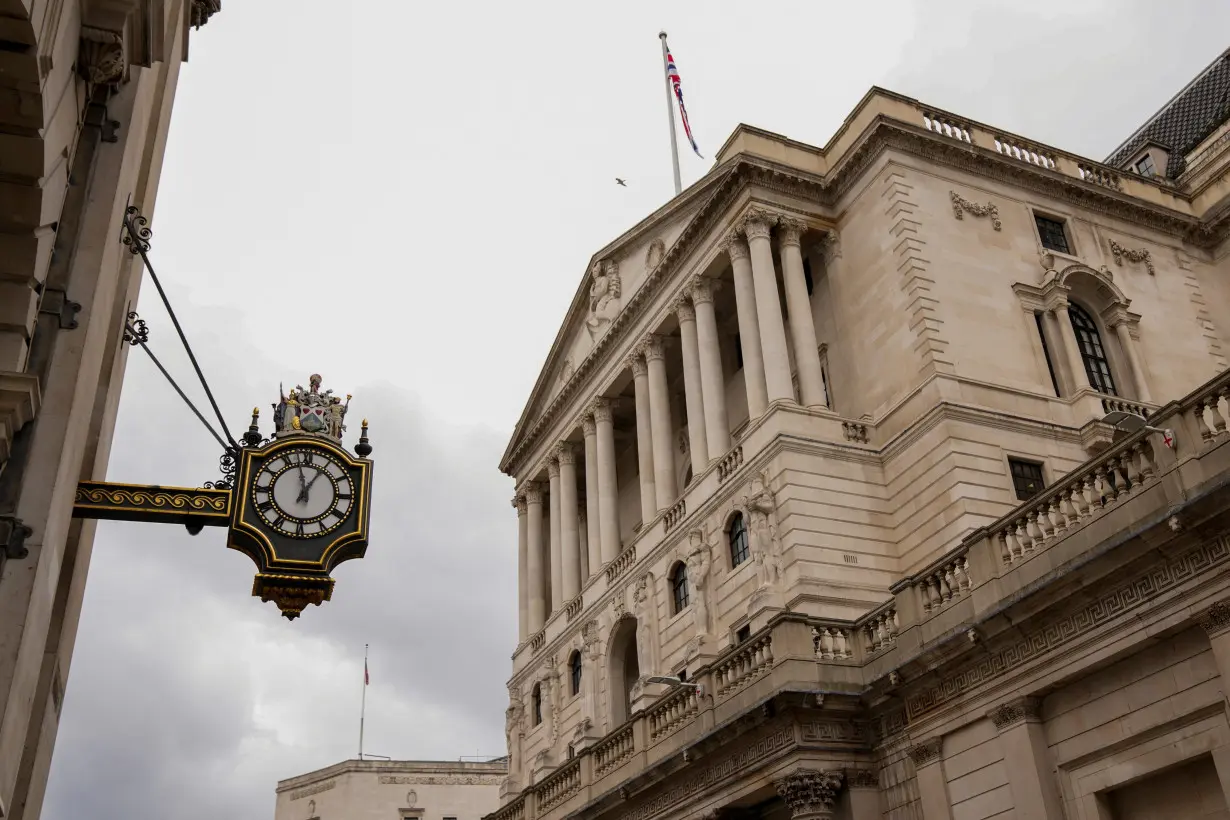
(137, 233)
(136, 332)
(228, 463)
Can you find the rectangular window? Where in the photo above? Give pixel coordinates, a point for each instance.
(1145, 166)
(1046, 353)
(744, 633)
(683, 675)
(1052, 233)
(1026, 478)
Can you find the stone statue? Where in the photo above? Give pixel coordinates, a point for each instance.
(310, 411)
(698, 562)
(604, 293)
(642, 607)
(765, 545)
(512, 731)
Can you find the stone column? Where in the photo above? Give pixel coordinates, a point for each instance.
(698, 444)
(811, 794)
(1035, 794)
(1133, 356)
(557, 565)
(535, 570)
(644, 438)
(712, 381)
(660, 423)
(1080, 379)
(757, 227)
(608, 484)
(523, 555)
(570, 544)
(802, 325)
(863, 793)
(1216, 623)
(749, 327)
(932, 784)
(593, 535)
(583, 541)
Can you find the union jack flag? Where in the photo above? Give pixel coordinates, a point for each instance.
(672, 75)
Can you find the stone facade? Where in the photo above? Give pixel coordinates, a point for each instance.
(825, 439)
(393, 790)
(86, 90)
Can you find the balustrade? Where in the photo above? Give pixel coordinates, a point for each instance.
(1211, 412)
(613, 750)
(573, 608)
(559, 786)
(948, 581)
(673, 711)
(832, 643)
(538, 641)
(1100, 176)
(513, 811)
(1019, 149)
(750, 661)
(675, 514)
(880, 629)
(1114, 404)
(622, 563)
(730, 462)
(946, 125)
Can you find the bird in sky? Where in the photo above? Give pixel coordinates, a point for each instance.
(619, 181)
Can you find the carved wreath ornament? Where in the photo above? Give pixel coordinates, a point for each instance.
(1120, 253)
(962, 206)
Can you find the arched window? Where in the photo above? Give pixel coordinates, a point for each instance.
(737, 533)
(536, 704)
(574, 672)
(679, 588)
(1093, 354)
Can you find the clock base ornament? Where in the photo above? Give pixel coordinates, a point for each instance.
(297, 504)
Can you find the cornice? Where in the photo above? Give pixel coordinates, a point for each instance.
(742, 172)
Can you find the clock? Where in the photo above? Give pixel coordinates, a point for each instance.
(303, 492)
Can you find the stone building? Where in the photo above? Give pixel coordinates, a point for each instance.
(86, 88)
(822, 510)
(393, 790)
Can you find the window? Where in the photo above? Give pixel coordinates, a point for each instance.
(536, 704)
(738, 352)
(572, 752)
(1026, 478)
(1145, 166)
(683, 675)
(574, 672)
(743, 634)
(811, 286)
(1046, 353)
(1052, 233)
(1089, 342)
(679, 588)
(737, 533)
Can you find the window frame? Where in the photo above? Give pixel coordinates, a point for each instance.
(680, 589)
(742, 555)
(743, 634)
(1103, 380)
(1146, 157)
(1062, 222)
(576, 672)
(1011, 459)
(536, 704)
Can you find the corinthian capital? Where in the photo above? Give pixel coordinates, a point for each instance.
(519, 503)
(810, 793)
(684, 310)
(736, 247)
(757, 224)
(636, 361)
(701, 290)
(601, 409)
(790, 231)
(553, 467)
(566, 453)
(654, 348)
(588, 427)
(533, 493)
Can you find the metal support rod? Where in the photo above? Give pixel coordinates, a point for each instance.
(191, 406)
(363, 707)
(138, 242)
(670, 114)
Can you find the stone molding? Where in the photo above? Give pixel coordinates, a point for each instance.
(520, 504)
(637, 363)
(1021, 710)
(927, 752)
(441, 779)
(809, 792)
(1216, 619)
(962, 206)
(102, 58)
(862, 779)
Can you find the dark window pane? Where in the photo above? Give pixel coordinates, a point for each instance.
(1145, 166)
(1052, 234)
(1026, 478)
(739, 549)
(744, 633)
(1093, 354)
(574, 669)
(679, 587)
(1046, 352)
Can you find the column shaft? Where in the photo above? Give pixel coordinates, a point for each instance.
(749, 328)
(693, 390)
(608, 484)
(1071, 346)
(535, 568)
(802, 325)
(557, 564)
(1138, 373)
(593, 531)
(644, 438)
(712, 381)
(769, 309)
(1035, 794)
(523, 554)
(570, 544)
(583, 543)
(660, 424)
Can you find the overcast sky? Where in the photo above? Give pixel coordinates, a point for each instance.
(403, 196)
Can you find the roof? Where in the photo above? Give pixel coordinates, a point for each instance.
(1189, 117)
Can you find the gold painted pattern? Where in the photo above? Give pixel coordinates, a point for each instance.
(98, 498)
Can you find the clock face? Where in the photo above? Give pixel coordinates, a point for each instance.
(303, 493)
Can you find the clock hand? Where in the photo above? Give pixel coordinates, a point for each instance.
(302, 497)
(313, 481)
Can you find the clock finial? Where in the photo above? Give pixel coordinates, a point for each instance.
(364, 447)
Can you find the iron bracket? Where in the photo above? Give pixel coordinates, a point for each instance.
(55, 302)
(13, 535)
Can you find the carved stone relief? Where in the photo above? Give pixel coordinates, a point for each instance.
(766, 546)
(653, 257)
(604, 297)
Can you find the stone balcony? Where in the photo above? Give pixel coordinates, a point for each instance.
(1114, 510)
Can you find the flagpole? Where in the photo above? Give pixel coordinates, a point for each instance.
(670, 115)
(363, 708)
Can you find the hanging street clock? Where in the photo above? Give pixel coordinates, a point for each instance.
(297, 504)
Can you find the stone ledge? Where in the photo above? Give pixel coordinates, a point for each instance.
(19, 404)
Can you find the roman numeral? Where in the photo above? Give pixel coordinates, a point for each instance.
(278, 522)
(343, 495)
(265, 505)
(299, 528)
